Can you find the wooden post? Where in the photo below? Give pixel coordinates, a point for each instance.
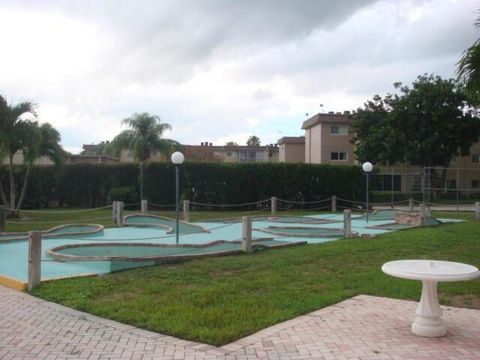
(34, 259)
(458, 192)
(477, 211)
(247, 234)
(423, 214)
(114, 211)
(144, 206)
(334, 203)
(186, 210)
(274, 205)
(3, 218)
(120, 207)
(410, 204)
(347, 223)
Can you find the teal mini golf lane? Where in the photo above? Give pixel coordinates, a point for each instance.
(14, 254)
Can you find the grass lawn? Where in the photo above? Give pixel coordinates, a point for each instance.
(45, 219)
(218, 300)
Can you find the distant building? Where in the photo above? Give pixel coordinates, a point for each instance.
(239, 153)
(69, 159)
(328, 139)
(206, 151)
(291, 149)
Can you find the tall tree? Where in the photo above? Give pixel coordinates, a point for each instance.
(469, 69)
(46, 144)
(253, 141)
(143, 138)
(231, 143)
(426, 124)
(24, 136)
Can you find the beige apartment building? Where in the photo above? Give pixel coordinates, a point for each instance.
(291, 149)
(328, 139)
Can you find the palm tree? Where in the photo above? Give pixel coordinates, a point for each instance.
(46, 143)
(28, 138)
(143, 138)
(253, 141)
(469, 69)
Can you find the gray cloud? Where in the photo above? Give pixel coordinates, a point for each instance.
(214, 68)
(169, 39)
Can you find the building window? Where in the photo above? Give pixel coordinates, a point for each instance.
(229, 154)
(475, 158)
(248, 156)
(338, 130)
(338, 156)
(475, 184)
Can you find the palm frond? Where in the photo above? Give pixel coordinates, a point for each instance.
(120, 142)
(144, 136)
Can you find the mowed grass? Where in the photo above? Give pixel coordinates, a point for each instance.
(46, 219)
(218, 300)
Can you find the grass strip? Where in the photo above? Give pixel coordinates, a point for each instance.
(219, 300)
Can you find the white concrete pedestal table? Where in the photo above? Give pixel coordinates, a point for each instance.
(428, 321)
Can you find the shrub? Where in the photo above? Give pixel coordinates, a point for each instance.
(122, 193)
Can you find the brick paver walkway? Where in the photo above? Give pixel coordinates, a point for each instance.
(363, 327)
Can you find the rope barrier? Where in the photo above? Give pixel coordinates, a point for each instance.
(56, 222)
(230, 205)
(160, 205)
(59, 211)
(308, 209)
(304, 202)
(390, 202)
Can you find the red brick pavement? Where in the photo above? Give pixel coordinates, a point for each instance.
(363, 327)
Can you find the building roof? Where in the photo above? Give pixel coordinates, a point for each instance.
(331, 117)
(291, 140)
(272, 147)
(82, 156)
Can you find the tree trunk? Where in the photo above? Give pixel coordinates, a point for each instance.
(3, 198)
(141, 180)
(12, 183)
(24, 188)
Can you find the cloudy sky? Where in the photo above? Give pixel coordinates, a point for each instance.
(219, 70)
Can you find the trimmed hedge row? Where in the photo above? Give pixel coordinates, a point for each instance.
(85, 185)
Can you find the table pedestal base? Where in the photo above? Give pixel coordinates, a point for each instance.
(428, 321)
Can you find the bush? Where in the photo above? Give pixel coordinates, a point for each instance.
(122, 193)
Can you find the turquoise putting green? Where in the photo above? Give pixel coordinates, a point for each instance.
(155, 230)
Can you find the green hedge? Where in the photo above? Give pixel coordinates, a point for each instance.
(86, 185)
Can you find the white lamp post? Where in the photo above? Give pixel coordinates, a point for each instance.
(367, 169)
(177, 159)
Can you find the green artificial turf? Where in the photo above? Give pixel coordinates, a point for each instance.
(218, 300)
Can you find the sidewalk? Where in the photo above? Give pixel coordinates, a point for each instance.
(363, 327)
